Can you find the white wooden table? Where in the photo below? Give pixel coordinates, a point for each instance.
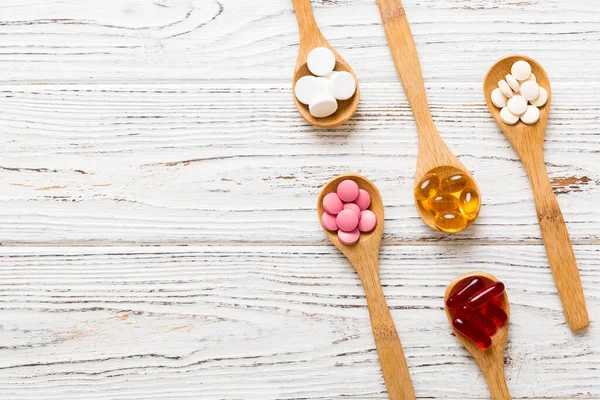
(157, 211)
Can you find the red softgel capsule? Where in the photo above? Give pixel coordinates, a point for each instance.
(494, 313)
(469, 288)
(478, 320)
(485, 295)
(471, 332)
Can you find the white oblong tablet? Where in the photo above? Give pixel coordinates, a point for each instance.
(498, 98)
(541, 99)
(505, 88)
(322, 105)
(507, 117)
(306, 88)
(517, 104)
(342, 85)
(531, 116)
(530, 90)
(512, 82)
(521, 70)
(320, 61)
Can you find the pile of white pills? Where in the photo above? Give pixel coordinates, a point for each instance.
(519, 96)
(322, 91)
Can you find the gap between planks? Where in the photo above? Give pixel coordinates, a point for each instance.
(322, 243)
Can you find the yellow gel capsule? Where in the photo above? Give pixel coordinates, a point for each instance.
(454, 183)
(427, 187)
(443, 202)
(469, 203)
(450, 221)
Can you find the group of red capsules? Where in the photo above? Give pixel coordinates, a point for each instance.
(477, 310)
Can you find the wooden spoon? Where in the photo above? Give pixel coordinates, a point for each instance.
(491, 361)
(311, 37)
(528, 142)
(433, 152)
(364, 256)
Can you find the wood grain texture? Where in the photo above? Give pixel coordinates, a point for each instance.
(126, 124)
(187, 163)
(289, 322)
(210, 40)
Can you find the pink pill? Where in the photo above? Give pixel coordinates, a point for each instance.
(353, 207)
(367, 222)
(363, 200)
(332, 203)
(347, 220)
(347, 190)
(328, 222)
(349, 237)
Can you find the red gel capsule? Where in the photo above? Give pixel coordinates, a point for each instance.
(494, 313)
(476, 336)
(478, 320)
(485, 295)
(459, 297)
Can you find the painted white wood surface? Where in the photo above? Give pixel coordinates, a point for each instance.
(125, 124)
(285, 322)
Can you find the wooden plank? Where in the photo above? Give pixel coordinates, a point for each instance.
(198, 163)
(213, 40)
(287, 322)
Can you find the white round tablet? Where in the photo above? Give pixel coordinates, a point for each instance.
(517, 104)
(530, 90)
(322, 105)
(505, 88)
(342, 85)
(306, 88)
(507, 117)
(521, 70)
(531, 78)
(541, 99)
(512, 82)
(320, 61)
(498, 98)
(531, 116)
(323, 84)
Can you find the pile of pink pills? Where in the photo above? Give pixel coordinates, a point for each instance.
(346, 211)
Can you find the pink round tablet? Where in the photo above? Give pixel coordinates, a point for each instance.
(367, 222)
(353, 207)
(363, 200)
(347, 190)
(349, 237)
(347, 220)
(332, 203)
(328, 222)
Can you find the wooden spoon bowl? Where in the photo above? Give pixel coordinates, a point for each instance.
(364, 256)
(368, 242)
(491, 361)
(519, 134)
(528, 142)
(311, 38)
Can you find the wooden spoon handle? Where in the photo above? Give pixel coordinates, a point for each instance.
(310, 34)
(406, 58)
(557, 242)
(494, 375)
(391, 356)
